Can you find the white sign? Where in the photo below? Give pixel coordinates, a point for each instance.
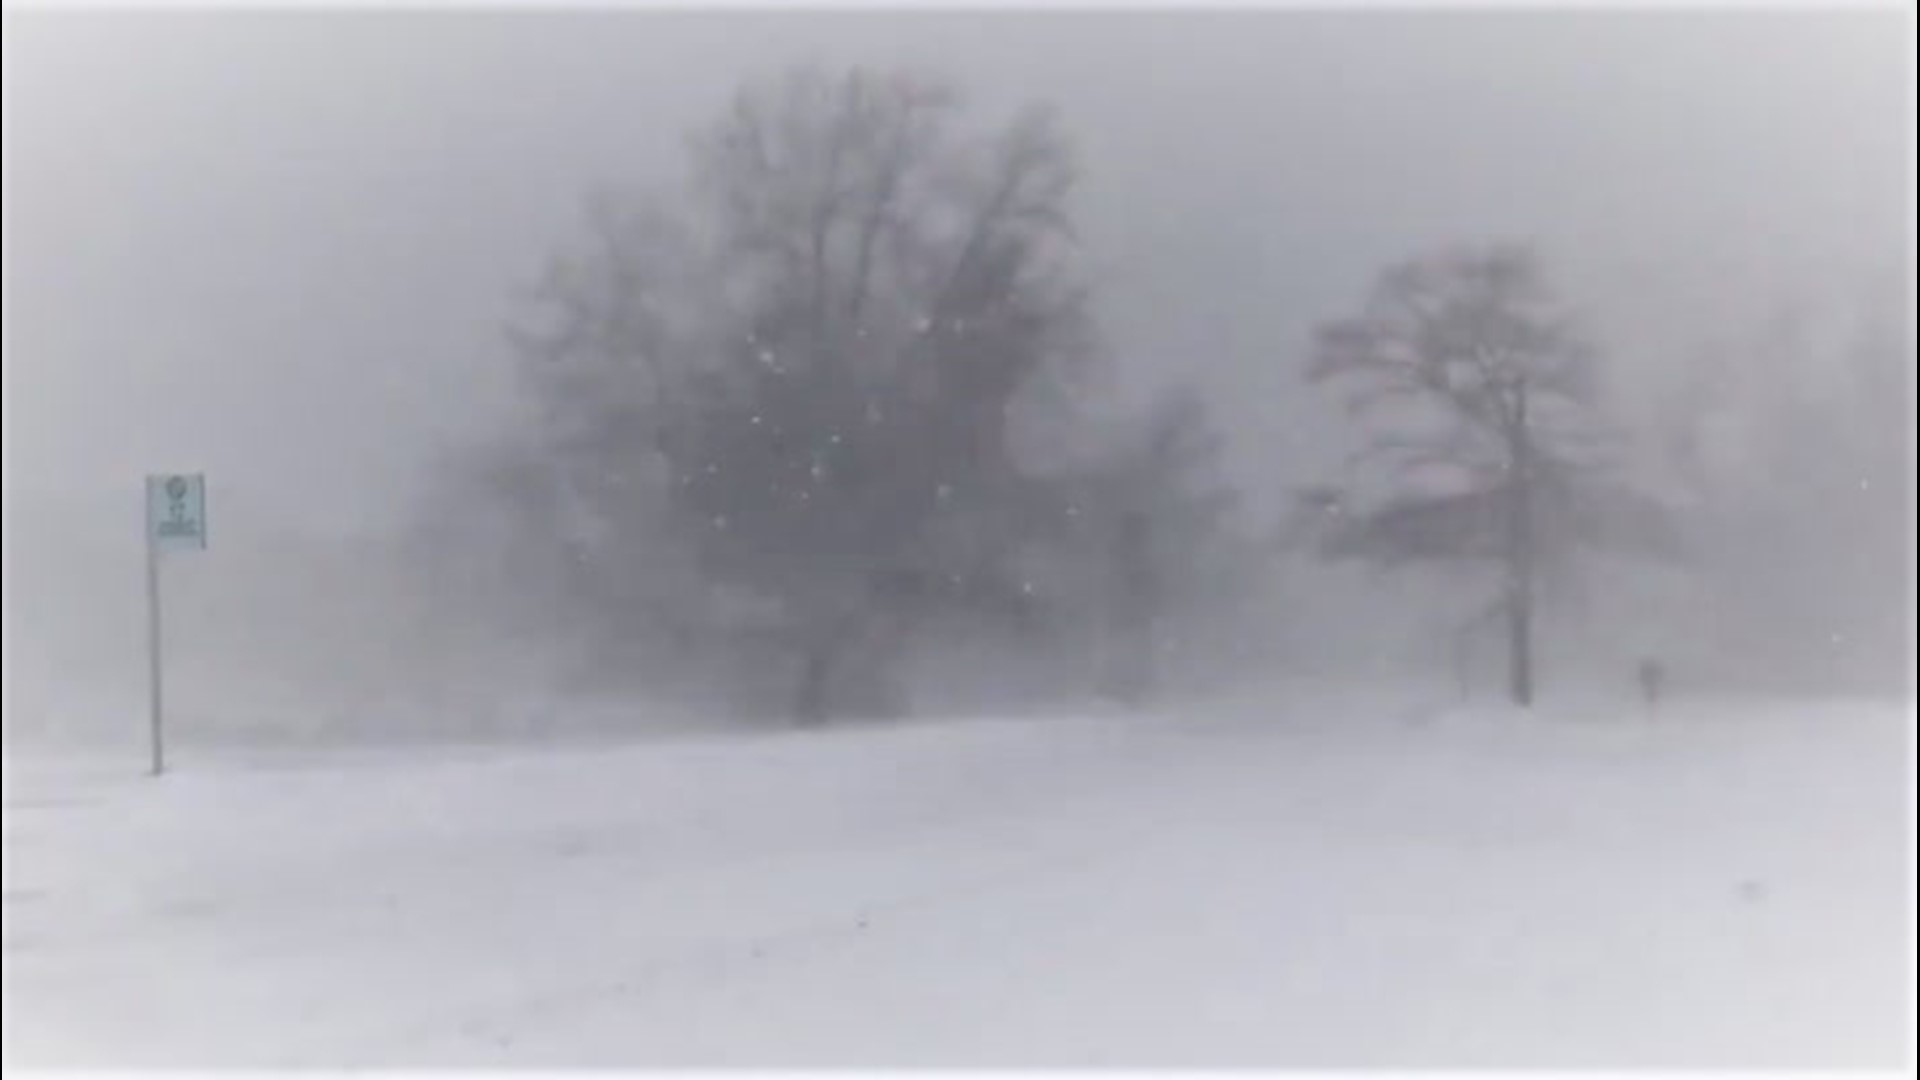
(177, 512)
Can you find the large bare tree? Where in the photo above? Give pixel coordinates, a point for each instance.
(1475, 387)
(813, 365)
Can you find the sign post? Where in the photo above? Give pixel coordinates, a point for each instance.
(176, 521)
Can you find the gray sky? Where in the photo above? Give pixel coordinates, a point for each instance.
(280, 247)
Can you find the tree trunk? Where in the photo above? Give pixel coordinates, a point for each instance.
(1146, 683)
(810, 706)
(1131, 633)
(1520, 644)
(1128, 675)
(1520, 559)
(847, 670)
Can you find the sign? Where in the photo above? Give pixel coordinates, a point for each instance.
(176, 521)
(177, 512)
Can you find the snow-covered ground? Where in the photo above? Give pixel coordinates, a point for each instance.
(1287, 886)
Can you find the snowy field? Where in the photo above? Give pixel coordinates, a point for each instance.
(1281, 886)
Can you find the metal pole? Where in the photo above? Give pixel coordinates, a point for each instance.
(153, 647)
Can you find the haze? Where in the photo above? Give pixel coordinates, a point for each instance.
(1374, 540)
(282, 248)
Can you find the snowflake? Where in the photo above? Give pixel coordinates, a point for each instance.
(944, 491)
(818, 471)
(755, 420)
(720, 522)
